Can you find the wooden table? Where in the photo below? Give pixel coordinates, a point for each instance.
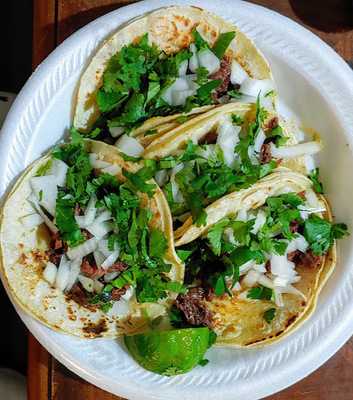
(54, 20)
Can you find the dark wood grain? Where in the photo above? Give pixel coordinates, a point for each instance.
(54, 21)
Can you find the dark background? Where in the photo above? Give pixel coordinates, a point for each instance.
(15, 68)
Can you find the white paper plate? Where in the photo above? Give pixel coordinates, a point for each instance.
(315, 84)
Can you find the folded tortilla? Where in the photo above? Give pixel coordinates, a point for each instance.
(239, 321)
(23, 258)
(170, 29)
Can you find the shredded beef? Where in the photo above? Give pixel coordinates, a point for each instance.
(210, 138)
(268, 266)
(78, 209)
(79, 296)
(119, 266)
(224, 75)
(57, 248)
(87, 235)
(305, 260)
(265, 153)
(294, 226)
(272, 123)
(193, 307)
(91, 270)
(117, 293)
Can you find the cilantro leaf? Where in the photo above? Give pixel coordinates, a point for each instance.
(222, 43)
(214, 235)
(45, 168)
(259, 293)
(200, 42)
(158, 243)
(184, 254)
(269, 315)
(315, 179)
(139, 180)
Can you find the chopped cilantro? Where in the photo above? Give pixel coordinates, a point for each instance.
(45, 168)
(259, 293)
(269, 315)
(139, 180)
(214, 235)
(200, 42)
(235, 94)
(315, 179)
(222, 43)
(158, 243)
(184, 254)
(40, 195)
(182, 118)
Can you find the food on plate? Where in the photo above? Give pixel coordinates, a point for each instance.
(179, 59)
(82, 249)
(227, 148)
(255, 270)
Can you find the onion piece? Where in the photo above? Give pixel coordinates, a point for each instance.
(108, 277)
(32, 220)
(183, 67)
(45, 189)
(98, 286)
(98, 257)
(59, 170)
(193, 61)
(179, 97)
(251, 278)
(62, 276)
(282, 267)
(260, 268)
(129, 145)
(265, 281)
(96, 163)
(82, 250)
(116, 131)
(75, 269)
(91, 210)
(229, 235)
(49, 272)
(292, 290)
(237, 75)
(128, 294)
(278, 298)
(296, 150)
(309, 163)
(259, 222)
(120, 309)
(227, 139)
(208, 60)
(177, 195)
(161, 177)
(259, 141)
(106, 215)
(298, 243)
(99, 229)
(32, 199)
(109, 261)
(252, 87)
(87, 283)
(112, 169)
(242, 215)
(103, 248)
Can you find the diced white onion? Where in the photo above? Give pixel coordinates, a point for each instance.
(179, 97)
(259, 141)
(177, 195)
(62, 276)
(109, 261)
(251, 278)
(183, 67)
(49, 273)
(259, 268)
(97, 286)
(75, 268)
(252, 155)
(237, 287)
(112, 169)
(242, 215)
(59, 170)
(281, 266)
(82, 250)
(244, 268)
(298, 243)
(237, 75)
(98, 257)
(280, 281)
(259, 222)
(87, 283)
(296, 150)
(103, 248)
(208, 60)
(193, 61)
(108, 277)
(116, 131)
(95, 162)
(44, 187)
(129, 145)
(229, 235)
(32, 220)
(265, 281)
(278, 298)
(120, 309)
(161, 177)
(309, 163)
(128, 294)
(252, 87)
(99, 229)
(81, 221)
(32, 199)
(91, 210)
(227, 139)
(292, 290)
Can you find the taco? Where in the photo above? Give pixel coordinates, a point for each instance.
(179, 59)
(255, 270)
(227, 148)
(87, 243)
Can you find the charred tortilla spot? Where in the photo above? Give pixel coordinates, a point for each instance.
(97, 329)
(291, 320)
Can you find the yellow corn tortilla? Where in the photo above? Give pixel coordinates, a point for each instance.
(170, 29)
(23, 258)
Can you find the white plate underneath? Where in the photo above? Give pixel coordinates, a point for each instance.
(317, 86)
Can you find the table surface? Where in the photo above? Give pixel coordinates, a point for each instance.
(55, 20)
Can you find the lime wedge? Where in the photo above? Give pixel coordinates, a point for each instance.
(169, 352)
